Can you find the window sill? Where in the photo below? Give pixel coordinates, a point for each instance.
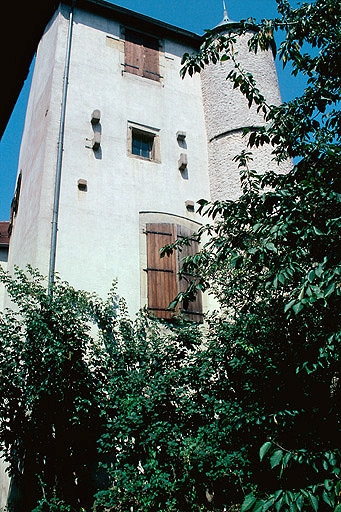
(144, 159)
(132, 76)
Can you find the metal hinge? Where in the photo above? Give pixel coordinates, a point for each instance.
(157, 233)
(157, 270)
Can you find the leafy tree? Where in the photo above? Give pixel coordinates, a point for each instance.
(51, 375)
(184, 414)
(274, 255)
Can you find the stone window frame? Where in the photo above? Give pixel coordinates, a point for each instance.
(148, 217)
(148, 131)
(161, 44)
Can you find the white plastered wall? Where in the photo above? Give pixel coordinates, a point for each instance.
(31, 233)
(3, 263)
(98, 237)
(98, 230)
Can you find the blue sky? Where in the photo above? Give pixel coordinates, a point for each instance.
(194, 15)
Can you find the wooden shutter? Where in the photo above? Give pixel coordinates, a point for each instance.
(162, 272)
(191, 310)
(151, 58)
(141, 54)
(133, 50)
(4, 236)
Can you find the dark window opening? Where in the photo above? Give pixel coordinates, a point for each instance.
(142, 144)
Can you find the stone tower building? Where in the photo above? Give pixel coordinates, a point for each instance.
(117, 149)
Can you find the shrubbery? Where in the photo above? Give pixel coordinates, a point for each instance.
(153, 416)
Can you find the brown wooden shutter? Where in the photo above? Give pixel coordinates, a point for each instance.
(162, 272)
(133, 50)
(151, 58)
(141, 54)
(191, 310)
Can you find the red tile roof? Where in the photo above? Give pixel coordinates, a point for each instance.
(4, 238)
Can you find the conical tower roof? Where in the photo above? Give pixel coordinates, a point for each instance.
(225, 21)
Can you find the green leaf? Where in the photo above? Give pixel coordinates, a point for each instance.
(258, 507)
(257, 226)
(293, 507)
(248, 502)
(327, 498)
(270, 246)
(298, 307)
(301, 295)
(279, 504)
(330, 290)
(264, 449)
(328, 484)
(276, 458)
(299, 501)
(289, 305)
(311, 276)
(314, 501)
(319, 271)
(281, 278)
(268, 504)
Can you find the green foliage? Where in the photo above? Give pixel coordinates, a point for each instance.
(186, 417)
(51, 375)
(242, 413)
(324, 492)
(275, 253)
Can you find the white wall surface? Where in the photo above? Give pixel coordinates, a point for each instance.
(30, 240)
(3, 263)
(98, 237)
(4, 485)
(98, 231)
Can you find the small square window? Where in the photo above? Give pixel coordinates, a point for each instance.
(143, 143)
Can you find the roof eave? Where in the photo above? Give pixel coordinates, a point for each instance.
(140, 21)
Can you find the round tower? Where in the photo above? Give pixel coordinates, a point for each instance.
(227, 113)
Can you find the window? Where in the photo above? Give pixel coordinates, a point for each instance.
(162, 273)
(141, 55)
(143, 142)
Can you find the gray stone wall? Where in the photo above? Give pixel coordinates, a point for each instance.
(227, 113)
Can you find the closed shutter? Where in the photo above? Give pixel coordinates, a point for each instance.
(191, 310)
(133, 50)
(162, 272)
(141, 54)
(151, 58)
